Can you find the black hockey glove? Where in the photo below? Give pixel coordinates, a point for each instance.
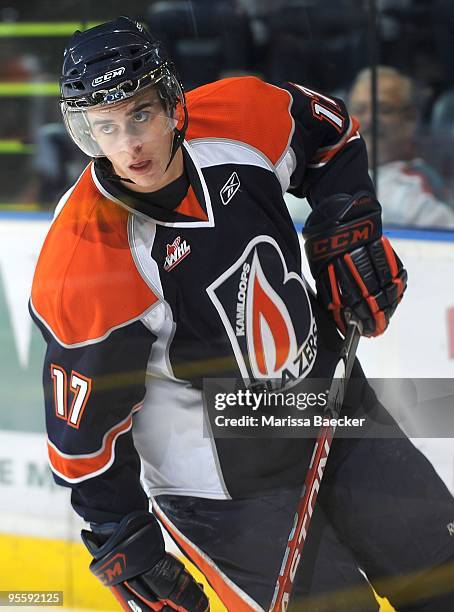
(139, 572)
(353, 264)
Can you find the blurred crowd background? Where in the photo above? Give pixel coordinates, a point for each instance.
(391, 60)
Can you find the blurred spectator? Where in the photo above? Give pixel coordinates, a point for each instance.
(410, 190)
(205, 38)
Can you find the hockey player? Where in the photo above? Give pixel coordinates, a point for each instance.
(162, 264)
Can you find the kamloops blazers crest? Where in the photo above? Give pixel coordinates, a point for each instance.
(267, 314)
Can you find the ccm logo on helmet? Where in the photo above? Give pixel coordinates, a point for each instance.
(112, 570)
(108, 76)
(342, 240)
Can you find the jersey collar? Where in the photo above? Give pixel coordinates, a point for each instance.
(195, 210)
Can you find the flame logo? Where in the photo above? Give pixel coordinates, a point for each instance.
(268, 317)
(270, 334)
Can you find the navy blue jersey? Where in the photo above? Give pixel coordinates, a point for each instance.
(139, 303)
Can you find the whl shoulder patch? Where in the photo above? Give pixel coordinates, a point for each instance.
(175, 253)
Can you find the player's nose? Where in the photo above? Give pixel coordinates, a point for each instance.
(131, 141)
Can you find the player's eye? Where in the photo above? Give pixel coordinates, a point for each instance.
(141, 116)
(107, 128)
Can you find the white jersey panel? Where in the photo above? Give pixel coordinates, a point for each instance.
(168, 434)
(159, 320)
(285, 169)
(220, 151)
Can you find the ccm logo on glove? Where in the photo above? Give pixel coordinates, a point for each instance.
(112, 570)
(342, 240)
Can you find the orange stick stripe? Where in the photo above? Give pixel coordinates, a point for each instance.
(231, 599)
(84, 466)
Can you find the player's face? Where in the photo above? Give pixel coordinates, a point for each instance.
(136, 136)
(395, 122)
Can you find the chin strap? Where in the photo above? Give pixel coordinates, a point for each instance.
(178, 137)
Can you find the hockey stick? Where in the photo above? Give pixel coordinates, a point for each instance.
(306, 503)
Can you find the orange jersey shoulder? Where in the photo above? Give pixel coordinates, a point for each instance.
(86, 282)
(244, 109)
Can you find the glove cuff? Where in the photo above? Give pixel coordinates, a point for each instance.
(134, 548)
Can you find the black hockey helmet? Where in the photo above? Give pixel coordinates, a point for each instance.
(110, 63)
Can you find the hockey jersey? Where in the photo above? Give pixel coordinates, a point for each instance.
(139, 304)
